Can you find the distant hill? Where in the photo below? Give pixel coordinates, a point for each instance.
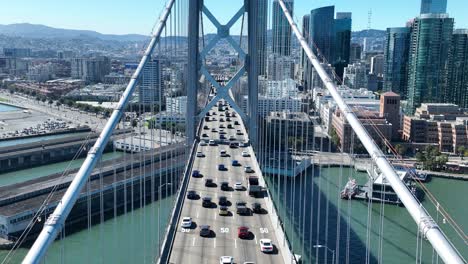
(27, 30)
(371, 33)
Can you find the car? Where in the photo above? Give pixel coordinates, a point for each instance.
(204, 135)
(235, 163)
(238, 186)
(241, 207)
(245, 154)
(223, 153)
(229, 126)
(209, 183)
(208, 113)
(212, 142)
(233, 145)
(232, 138)
(196, 173)
(236, 123)
(186, 222)
(221, 131)
(257, 208)
(203, 143)
(221, 120)
(266, 245)
(206, 127)
(213, 130)
(192, 194)
(248, 169)
(200, 154)
(221, 167)
(226, 260)
(205, 231)
(242, 144)
(223, 210)
(222, 200)
(221, 114)
(238, 132)
(214, 113)
(228, 119)
(243, 232)
(222, 137)
(224, 186)
(206, 201)
(222, 126)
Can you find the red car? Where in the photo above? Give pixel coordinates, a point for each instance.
(243, 232)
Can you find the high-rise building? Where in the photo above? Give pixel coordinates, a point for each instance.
(355, 76)
(150, 84)
(281, 29)
(355, 53)
(322, 31)
(396, 60)
(305, 34)
(16, 52)
(262, 22)
(90, 69)
(280, 67)
(377, 65)
(431, 40)
(458, 69)
(342, 42)
(433, 6)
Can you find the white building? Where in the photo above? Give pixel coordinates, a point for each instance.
(41, 72)
(355, 75)
(280, 67)
(150, 90)
(283, 88)
(271, 104)
(176, 104)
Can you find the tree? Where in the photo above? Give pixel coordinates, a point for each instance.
(134, 123)
(43, 99)
(334, 137)
(58, 104)
(50, 102)
(400, 149)
(461, 150)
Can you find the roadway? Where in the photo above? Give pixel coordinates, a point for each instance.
(189, 246)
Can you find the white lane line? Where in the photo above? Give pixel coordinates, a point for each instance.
(193, 242)
(256, 240)
(231, 194)
(235, 243)
(198, 213)
(215, 215)
(214, 243)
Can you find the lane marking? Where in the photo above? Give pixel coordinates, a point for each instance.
(215, 215)
(235, 243)
(214, 243)
(193, 242)
(198, 213)
(255, 240)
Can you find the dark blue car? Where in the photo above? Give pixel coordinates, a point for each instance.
(195, 173)
(221, 167)
(235, 163)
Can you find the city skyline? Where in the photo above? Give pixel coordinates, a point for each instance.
(130, 19)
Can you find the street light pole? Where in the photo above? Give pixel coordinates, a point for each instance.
(328, 249)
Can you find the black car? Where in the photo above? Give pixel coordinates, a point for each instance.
(228, 119)
(225, 186)
(192, 195)
(206, 127)
(229, 126)
(241, 208)
(233, 145)
(257, 208)
(206, 201)
(205, 231)
(221, 120)
(204, 135)
(209, 183)
(236, 123)
(222, 200)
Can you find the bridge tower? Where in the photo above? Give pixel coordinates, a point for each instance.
(197, 67)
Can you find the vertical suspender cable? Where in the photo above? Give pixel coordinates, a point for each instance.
(57, 220)
(429, 228)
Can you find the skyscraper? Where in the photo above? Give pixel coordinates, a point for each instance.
(433, 6)
(90, 69)
(305, 34)
(458, 69)
(431, 39)
(342, 42)
(355, 53)
(322, 31)
(150, 84)
(262, 19)
(281, 29)
(396, 60)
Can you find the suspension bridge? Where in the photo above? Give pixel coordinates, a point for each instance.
(198, 192)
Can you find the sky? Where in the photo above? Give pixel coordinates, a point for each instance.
(129, 17)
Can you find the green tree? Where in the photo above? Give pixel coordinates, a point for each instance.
(400, 149)
(50, 102)
(334, 137)
(58, 104)
(461, 150)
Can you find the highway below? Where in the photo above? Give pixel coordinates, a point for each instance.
(189, 246)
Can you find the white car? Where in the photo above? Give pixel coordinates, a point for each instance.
(238, 186)
(200, 154)
(186, 222)
(266, 245)
(242, 144)
(212, 142)
(245, 154)
(226, 260)
(248, 169)
(203, 143)
(223, 153)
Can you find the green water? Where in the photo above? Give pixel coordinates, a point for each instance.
(133, 238)
(399, 230)
(36, 172)
(8, 108)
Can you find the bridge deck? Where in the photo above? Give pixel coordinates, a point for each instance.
(190, 247)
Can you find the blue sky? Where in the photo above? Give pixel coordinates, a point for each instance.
(124, 16)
